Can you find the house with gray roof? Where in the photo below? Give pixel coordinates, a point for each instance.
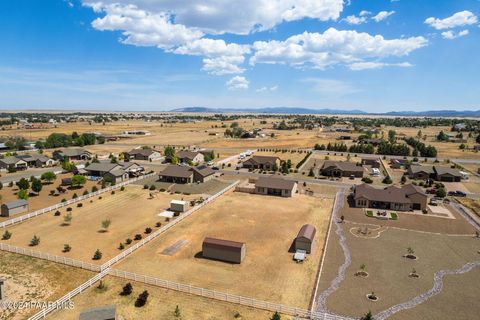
(275, 186)
(186, 174)
(37, 160)
(420, 172)
(143, 154)
(186, 156)
(262, 162)
(113, 172)
(405, 198)
(99, 313)
(72, 154)
(13, 208)
(13, 163)
(447, 174)
(341, 169)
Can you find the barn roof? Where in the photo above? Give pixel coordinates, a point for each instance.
(307, 231)
(16, 204)
(99, 313)
(262, 160)
(223, 244)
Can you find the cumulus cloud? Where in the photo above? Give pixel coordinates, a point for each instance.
(263, 89)
(450, 35)
(237, 83)
(321, 50)
(353, 19)
(382, 15)
(459, 19)
(358, 66)
(236, 16)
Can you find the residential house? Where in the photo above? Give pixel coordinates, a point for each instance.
(143, 154)
(447, 174)
(13, 163)
(405, 198)
(72, 154)
(37, 160)
(373, 162)
(186, 174)
(419, 172)
(186, 156)
(113, 172)
(262, 162)
(275, 186)
(396, 163)
(341, 169)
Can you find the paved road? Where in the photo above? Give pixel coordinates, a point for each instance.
(36, 172)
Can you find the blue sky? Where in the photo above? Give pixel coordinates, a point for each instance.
(158, 55)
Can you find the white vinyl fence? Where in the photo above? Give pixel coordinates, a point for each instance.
(222, 296)
(63, 301)
(152, 236)
(50, 257)
(71, 201)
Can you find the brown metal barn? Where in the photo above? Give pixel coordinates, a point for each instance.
(224, 250)
(305, 237)
(14, 207)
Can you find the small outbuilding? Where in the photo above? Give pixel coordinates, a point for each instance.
(224, 250)
(178, 206)
(13, 208)
(99, 313)
(305, 237)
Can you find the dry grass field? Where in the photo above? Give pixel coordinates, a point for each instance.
(130, 212)
(44, 199)
(268, 226)
(31, 279)
(389, 272)
(161, 304)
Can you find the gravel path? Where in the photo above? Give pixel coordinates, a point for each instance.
(335, 284)
(436, 289)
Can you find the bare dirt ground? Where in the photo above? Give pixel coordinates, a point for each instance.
(268, 226)
(31, 279)
(389, 271)
(160, 305)
(130, 212)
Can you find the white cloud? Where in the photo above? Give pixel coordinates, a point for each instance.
(331, 87)
(382, 15)
(450, 35)
(459, 19)
(355, 20)
(358, 66)
(365, 13)
(237, 83)
(236, 16)
(332, 47)
(263, 89)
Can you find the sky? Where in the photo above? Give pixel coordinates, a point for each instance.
(155, 55)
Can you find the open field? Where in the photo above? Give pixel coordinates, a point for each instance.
(161, 304)
(130, 212)
(31, 279)
(388, 271)
(266, 224)
(44, 199)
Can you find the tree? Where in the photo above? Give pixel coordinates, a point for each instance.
(22, 194)
(387, 180)
(391, 136)
(97, 255)
(35, 241)
(311, 173)
(367, 316)
(127, 289)
(410, 250)
(142, 299)
(37, 186)
(6, 235)
(48, 176)
(105, 224)
(403, 179)
(23, 184)
(67, 219)
(276, 316)
(177, 313)
(169, 152)
(67, 247)
(78, 180)
(441, 193)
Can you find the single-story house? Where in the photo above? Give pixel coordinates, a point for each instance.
(143, 154)
(203, 173)
(186, 156)
(133, 169)
(447, 174)
(72, 154)
(99, 313)
(373, 162)
(421, 172)
(13, 208)
(275, 186)
(36, 160)
(186, 174)
(305, 237)
(13, 163)
(405, 198)
(113, 172)
(397, 163)
(224, 250)
(341, 169)
(262, 162)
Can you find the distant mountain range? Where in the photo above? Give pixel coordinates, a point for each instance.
(297, 110)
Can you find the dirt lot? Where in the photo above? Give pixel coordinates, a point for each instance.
(268, 226)
(161, 304)
(30, 279)
(130, 212)
(388, 272)
(44, 199)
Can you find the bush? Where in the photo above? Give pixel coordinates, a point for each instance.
(138, 237)
(128, 241)
(97, 255)
(122, 188)
(145, 186)
(152, 187)
(113, 192)
(75, 196)
(441, 192)
(94, 189)
(142, 299)
(85, 192)
(162, 190)
(35, 241)
(367, 180)
(148, 230)
(387, 180)
(57, 213)
(79, 205)
(127, 290)
(6, 235)
(158, 224)
(121, 246)
(100, 198)
(64, 200)
(66, 248)
(69, 209)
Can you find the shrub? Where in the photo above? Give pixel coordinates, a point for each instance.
(66, 248)
(138, 237)
(158, 224)
(100, 198)
(152, 187)
(441, 192)
(142, 299)
(148, 230)
(105, 224)
(128, 241)
(64, 200)
(6, 235)
(68, 218)
(94, 189)
(75, 196)
(121, 246)
(69, 209)
(387, 180)
(35, 241)
(79, 205)
(162, 190)
(145, 186)
(276, 316)
(57, 213)
(85, 192)
(127, 290)
(367, 180)
(122, 188)
(97, 255)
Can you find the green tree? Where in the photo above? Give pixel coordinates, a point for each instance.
(276, 316)
(391, 136)
(67, 219)
(23, 184)
(367, 316)
(169, 152)
(37, 186)
(105, 224)
(441, 193)
(48, 176)
(35, 241)
(78, 180)
(97, 255)
(177, 313)
(387, 180)
(22, 194)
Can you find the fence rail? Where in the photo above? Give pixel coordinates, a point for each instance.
(222, 296)
(50, 257)
(166, 227)
(63, 300)
(71, 201)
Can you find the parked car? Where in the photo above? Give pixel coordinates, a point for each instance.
(431, 191)
(215, 168)
(457, 193)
